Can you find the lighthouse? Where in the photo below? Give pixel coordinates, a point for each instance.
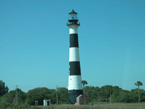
(74, 80)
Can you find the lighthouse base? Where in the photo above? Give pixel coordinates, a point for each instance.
(72, 94)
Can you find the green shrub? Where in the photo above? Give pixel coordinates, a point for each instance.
(11, 105)
(25, 105)
(4, 105)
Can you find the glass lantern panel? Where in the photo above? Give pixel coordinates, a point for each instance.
(73, 16)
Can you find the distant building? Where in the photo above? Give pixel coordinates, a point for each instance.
(47, 102)
(80, 100)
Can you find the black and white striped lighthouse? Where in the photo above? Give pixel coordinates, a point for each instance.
(74, 80)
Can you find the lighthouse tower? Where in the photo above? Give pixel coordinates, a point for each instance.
(74, 80)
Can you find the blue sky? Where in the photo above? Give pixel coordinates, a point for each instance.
(34, 42)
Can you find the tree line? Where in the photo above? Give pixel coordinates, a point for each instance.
(106, 93)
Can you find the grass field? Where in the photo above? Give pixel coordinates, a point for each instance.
(95, 106)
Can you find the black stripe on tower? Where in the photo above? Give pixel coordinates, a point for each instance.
(74, 40)
(75, 68)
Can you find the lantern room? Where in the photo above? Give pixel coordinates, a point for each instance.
(72, 15)
(73, 19)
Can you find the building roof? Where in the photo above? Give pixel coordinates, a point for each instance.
(79, 96)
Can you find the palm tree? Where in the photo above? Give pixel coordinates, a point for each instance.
(138, 84)
(84, 82)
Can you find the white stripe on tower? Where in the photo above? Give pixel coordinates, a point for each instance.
(75, 83)
(73, 29)
(74, 54)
